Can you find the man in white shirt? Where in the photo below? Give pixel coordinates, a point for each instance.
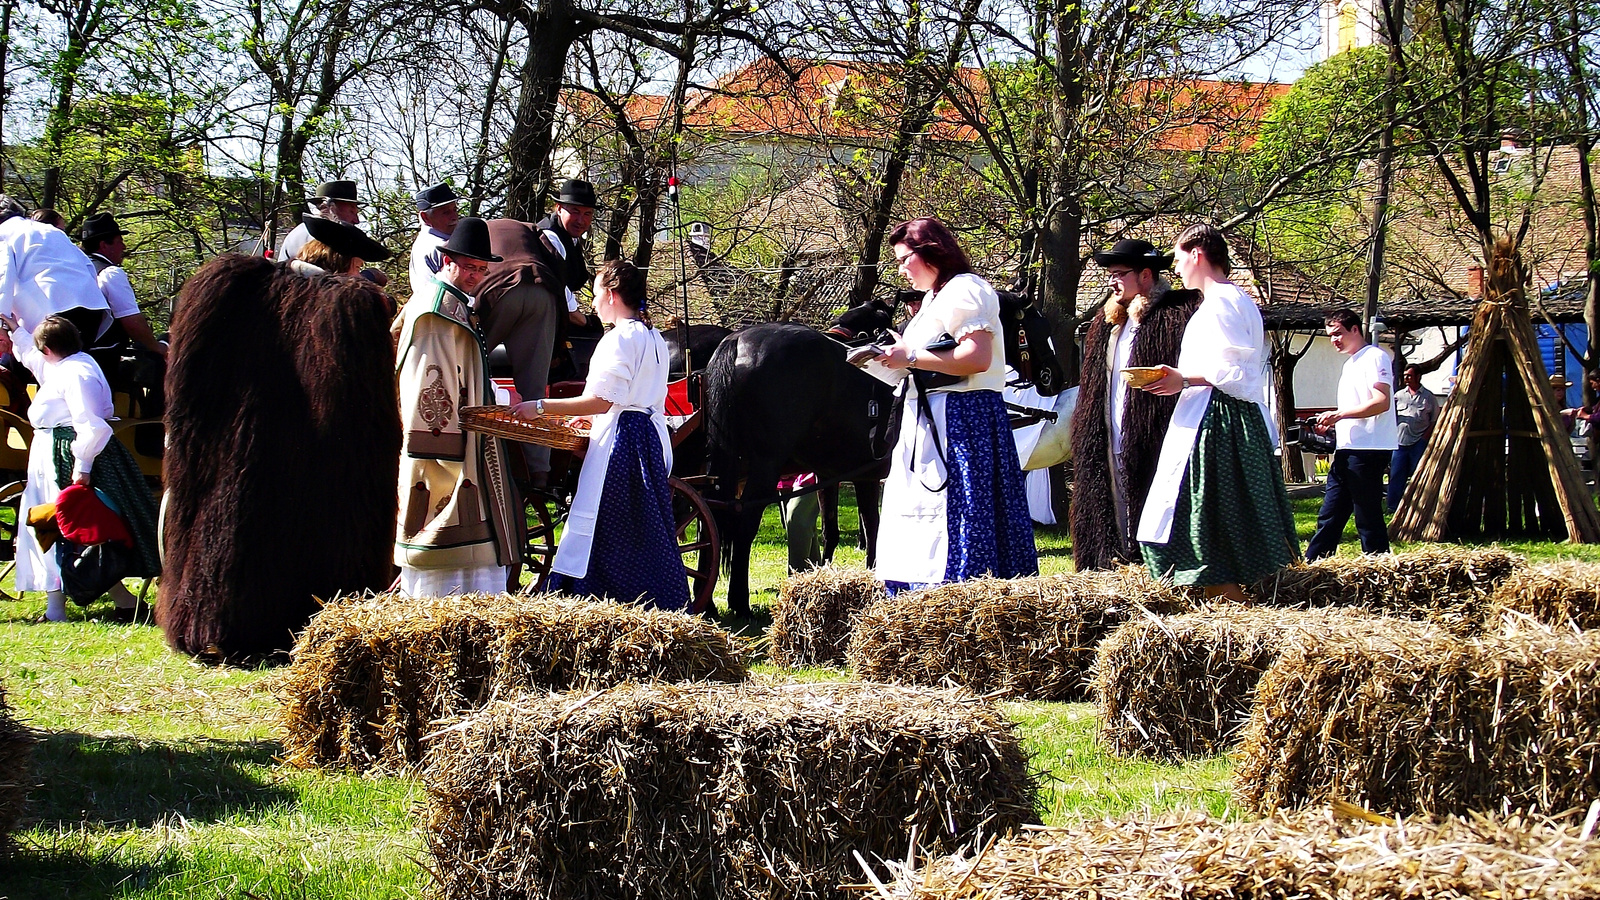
(42, 273)
(101, 239)
(1368, 435)
(562, 233)
(438, 212)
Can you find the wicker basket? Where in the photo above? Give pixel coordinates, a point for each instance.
(547, 431)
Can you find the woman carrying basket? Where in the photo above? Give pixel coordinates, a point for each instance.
(620, 539)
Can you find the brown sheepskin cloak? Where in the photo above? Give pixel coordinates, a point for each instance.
(283, 440)
(1096, 541)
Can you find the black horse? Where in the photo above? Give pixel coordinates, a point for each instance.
(703, 341)
(781, 399)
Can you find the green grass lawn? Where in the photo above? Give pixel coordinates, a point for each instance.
(158, 776)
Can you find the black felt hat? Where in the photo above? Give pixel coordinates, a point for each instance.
(576, 192)
(470, 239)
(435, 196)
(337, 190)
(1135, 254)
(346, 239)
(99, 227)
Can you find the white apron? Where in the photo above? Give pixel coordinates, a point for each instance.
(572, 557)
(913, 536)
(37, 569)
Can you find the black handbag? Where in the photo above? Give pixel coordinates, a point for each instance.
(927, 380)
(88, 572)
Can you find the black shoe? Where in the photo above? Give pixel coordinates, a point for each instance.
(140, 612)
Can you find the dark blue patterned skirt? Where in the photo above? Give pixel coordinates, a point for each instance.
(635, 553)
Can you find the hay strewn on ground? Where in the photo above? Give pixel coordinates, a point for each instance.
(1181, 686)
(662, 791)
(1554, 593)
(1023, 638)
(1307, 855)
(371, 677)
(16, 770)
(1403, 722)
(1448, 585)
(813, 615)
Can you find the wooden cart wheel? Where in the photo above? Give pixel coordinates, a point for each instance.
(698, 543)
(539, 550)
(10, 521)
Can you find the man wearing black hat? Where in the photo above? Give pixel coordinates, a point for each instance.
(562, 232)
(1117, 431)
(437, 211)
(460, 524)
(101, 238)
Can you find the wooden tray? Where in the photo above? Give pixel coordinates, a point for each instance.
(547, 431)
(1139, 376)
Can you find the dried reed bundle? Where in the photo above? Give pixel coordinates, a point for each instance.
(1448, 585)
(1183, 685)
(1025, 638)
(16, 769)
(668, 791)
(1406, 721)
(1304, 855)
(371, 676)
(815, 613)
(1554, 593)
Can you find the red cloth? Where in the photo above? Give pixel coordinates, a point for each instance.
(85, 519)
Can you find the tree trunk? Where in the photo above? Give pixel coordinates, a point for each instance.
(1283, 365)
(552, 29)
(1058, 250)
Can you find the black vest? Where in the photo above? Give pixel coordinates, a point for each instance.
(574, 267)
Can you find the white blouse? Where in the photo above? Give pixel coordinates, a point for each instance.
(1223, 344)
(964, 305)
(629, 367)
(71, 392)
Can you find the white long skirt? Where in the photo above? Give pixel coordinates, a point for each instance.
(37, 569)
(447, 582)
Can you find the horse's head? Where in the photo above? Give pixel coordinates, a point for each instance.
(862, 323)
(1028, 348)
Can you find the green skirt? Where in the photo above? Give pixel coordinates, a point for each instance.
(1233, 523)
(117, 473)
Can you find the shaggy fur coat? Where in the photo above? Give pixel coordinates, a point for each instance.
(1097, 542)
(283, 439)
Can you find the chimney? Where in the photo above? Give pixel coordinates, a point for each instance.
(1475, 282)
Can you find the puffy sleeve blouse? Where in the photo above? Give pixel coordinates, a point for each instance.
(629, 367)
(71, 392)
(966, 304)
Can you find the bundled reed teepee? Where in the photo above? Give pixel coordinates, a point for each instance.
(1499, 463)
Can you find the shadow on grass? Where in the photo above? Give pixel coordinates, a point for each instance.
(118, 781)
(67, 866)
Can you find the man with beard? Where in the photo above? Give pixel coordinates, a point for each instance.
(1116, 430)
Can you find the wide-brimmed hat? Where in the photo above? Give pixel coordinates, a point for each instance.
(346, 239)
(435, 196)
(337, 190)
(1135, 254)
(99, 227)
(1559, 383)
(470, 239)
(576, 192)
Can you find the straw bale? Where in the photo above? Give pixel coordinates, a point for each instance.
(1025, 638)
(1400, 722)
(1555, 593)
(1448, 585)
(1183, 685)
(815, 614)
(16, 769)
(371, 676)
(1311, 855)
(746, 791)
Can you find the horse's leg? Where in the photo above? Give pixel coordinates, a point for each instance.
(867, 508)
(759, 486)
(830, 521)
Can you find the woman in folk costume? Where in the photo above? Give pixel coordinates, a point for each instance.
(620, 539)
(73, 444)
(1217, 514)
(460, 518)
(954, 506)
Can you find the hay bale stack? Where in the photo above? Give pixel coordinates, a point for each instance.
(1303, 855)
(1183, 685)
(1024, 638)
(16, 769)
(371, 677)
(663, 791)
(1447, 585)
(1554, 593)
(1400, 722)
(814, 615)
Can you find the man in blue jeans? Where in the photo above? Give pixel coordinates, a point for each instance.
(1368, 435)
(1415, 409)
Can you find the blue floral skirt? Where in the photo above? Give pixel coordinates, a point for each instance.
(634, 557)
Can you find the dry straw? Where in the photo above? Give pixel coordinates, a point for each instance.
(1025, 638)
(1402, 722)
(1170, 687)
(669, 791)
(1310, 855)
(372, 676)
(16, 769)
(1448, 585)
(1555, 593)
(814, 615)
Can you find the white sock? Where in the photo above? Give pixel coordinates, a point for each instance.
(122, 597)
(55, 606)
